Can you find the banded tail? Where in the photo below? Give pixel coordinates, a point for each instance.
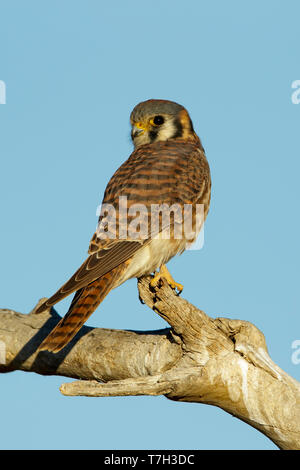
(84, 303)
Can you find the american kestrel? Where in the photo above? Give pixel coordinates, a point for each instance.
(167, 168)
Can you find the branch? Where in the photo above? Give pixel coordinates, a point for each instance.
(220, 362)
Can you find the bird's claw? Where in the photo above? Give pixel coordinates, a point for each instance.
(164, 273)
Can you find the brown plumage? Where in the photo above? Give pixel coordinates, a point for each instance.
(84, 303)
(168, 166)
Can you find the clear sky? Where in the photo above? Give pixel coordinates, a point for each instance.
(73, 71)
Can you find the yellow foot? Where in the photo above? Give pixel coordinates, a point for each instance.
(167, 276)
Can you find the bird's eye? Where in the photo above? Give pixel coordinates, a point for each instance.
(157, 120)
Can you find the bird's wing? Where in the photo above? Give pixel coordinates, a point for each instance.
(95, 266)
(162, 173)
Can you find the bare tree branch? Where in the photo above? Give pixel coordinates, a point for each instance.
(220, 362)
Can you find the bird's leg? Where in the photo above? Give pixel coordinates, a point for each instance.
(163, 272)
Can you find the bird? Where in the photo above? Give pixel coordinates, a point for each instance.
(168, 167)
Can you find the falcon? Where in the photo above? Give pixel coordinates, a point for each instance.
(167, 169)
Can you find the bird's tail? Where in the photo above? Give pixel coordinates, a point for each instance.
(84, 303)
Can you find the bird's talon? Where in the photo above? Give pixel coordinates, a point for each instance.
(178, 286)
(155, 280)
(164, 273)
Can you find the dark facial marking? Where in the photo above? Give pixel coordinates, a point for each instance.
(179, 129)
(153, 135)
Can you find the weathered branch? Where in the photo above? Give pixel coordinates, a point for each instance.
(219, 361)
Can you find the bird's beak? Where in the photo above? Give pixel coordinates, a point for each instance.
(137, 129)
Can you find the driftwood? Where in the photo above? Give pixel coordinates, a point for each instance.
(219, 361)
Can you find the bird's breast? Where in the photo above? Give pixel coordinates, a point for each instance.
(151, 256)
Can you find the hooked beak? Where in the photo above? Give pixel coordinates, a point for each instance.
(136, 130)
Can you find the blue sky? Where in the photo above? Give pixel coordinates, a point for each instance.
(73, 71)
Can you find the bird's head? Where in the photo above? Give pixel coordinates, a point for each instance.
(158, 120)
